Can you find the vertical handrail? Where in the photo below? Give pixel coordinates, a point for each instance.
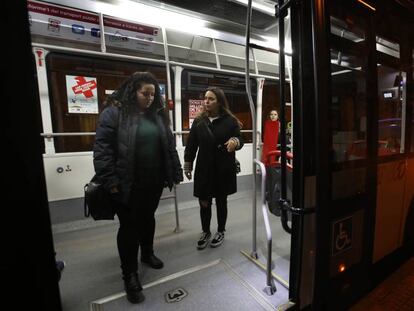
(174, 196)
(283, 202)
(177, 220)
(270, 288)
(102, 33)
(253, 113)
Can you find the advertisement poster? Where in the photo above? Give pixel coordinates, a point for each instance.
(82, 94)
(195, 106)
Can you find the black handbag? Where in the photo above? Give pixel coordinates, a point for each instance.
(98, 201)
(238, 167)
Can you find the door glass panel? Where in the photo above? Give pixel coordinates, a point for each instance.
(412, 105)
(391, 110)
(348, 119)
(348, 109)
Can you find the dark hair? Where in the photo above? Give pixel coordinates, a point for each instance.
(223, 104)
(125, 96)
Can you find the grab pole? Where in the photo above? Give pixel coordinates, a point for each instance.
(253, 112)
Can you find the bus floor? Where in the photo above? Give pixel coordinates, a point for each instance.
(92, 269)
(395, 293)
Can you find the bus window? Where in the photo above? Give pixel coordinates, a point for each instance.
(193, 86)
(348, 108)
(107, 76)
(391, 109)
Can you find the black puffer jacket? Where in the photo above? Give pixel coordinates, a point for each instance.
(114, 149)
(215, 171)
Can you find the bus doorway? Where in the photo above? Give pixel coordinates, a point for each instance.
(356, 144)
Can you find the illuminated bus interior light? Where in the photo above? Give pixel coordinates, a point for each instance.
(367, 5)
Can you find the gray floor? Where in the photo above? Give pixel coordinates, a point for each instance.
(92, 265)
(206, 288)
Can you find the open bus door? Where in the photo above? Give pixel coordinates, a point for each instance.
(337, 77)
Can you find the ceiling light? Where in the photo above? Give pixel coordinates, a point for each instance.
(155, 16)
(261, 7)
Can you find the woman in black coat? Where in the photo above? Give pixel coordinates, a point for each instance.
(215, 134)
(135, 158)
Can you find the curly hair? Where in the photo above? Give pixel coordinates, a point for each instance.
(125, 97)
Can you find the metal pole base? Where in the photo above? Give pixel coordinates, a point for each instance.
(254, 255)
(270, 290)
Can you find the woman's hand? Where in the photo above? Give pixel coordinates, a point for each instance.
(188, 167)
(231, 144)
(114, 190)
(188, 174)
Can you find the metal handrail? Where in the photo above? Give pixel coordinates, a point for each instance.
(173, 196)
(50, 135)
(254, 125)
(270, 288)
(186, 132)
(177, 218)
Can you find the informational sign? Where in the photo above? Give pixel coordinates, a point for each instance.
(63, 23)
(195, 106)
(341, 235)
(70, 24)
(82, 94)
(129, 35)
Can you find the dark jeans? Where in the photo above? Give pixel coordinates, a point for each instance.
(205, 213)
(137, 225)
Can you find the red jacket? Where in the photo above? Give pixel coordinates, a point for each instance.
(270, 137)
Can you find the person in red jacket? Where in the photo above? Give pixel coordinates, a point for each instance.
(271, 134)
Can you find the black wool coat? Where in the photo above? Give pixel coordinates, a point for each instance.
(215, 170)
(114, 151)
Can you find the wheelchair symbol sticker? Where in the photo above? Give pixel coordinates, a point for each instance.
(341, 235)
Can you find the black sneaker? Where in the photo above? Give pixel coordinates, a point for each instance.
(60, 265)
(217, 240)
(203, 241)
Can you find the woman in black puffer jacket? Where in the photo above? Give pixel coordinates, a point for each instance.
(135, 158)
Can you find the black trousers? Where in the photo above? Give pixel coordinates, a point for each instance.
(205, 213)
(137, 225)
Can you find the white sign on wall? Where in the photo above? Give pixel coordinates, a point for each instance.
(82, 94)
(63, 23)
(70, 24)
(129, 35)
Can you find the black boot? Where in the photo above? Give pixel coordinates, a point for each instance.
(133, 288)
(152, 260)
